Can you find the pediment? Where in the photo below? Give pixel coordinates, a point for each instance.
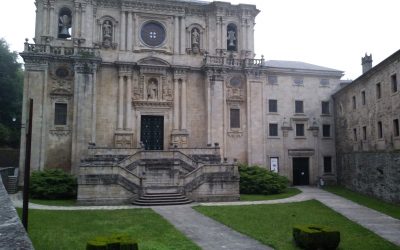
(153, 61)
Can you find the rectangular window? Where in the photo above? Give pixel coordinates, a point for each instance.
(324, 82)
(355, 134)
(299, 129)
(394, 82)
(325, 108)
(273, 129)
(235, 118)
(273, 106)
(364, 131)
(363, 97)
(326, 130)
(354, 102)
(327, 164)
(60, 114)
(298, 81)
(396, 131)
(378, 91)
(272, 79)
(380, 130)
(299, 109)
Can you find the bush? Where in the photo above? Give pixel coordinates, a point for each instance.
(52, 184)
(316, 237)
(257, 180)
(114, 242)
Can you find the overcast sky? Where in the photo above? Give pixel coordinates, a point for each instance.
(330, 33)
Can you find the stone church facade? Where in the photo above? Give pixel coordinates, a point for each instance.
(120, 86)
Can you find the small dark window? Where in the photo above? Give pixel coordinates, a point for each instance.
(394, 83)
(354, 102)
(299, 109)
(324, 82)
(325, 108)
(363, 97)
(273, 106)
(378, 91)
(380, 130)
(298, 81)
(272, 79)
(396, 131)
(327, 164)
(299, 129)
(273, 129)
(235, 118)
(364, 129)
(326, 130)
(60, 114)
(355, 134)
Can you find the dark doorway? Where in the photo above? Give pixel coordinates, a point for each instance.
(152, 132)
(301, 171)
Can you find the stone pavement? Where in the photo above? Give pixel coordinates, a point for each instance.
(381, 224)
(205, 232)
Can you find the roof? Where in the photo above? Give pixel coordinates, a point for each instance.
(194, 1)
(296, 65)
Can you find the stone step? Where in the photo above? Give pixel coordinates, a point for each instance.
(162, 199)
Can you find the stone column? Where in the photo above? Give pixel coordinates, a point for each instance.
(83, 20)
(128, 124)
(182, 35)
(129, 32)
(184, 105)
(250, 35)
(176, 34)
(218, 23)
(45, 19)
(208, 104)
(123, 31)
(75, 22)
(135, 30)
(244, 35)
(94, 106)
(51, 21)
(120, 102)
(176, 104)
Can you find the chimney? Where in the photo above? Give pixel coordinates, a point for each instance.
(366, 63)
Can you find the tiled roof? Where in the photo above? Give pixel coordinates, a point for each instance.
(296, 65)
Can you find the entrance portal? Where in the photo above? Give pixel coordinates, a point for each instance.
(301, 171)
(152, 132)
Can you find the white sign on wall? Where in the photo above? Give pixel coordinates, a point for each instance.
(274, 164)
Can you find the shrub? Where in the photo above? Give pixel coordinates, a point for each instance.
(257, 180)
(52, 184)
(114, 242)
(316, 237)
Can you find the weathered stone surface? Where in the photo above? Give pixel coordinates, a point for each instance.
(12, 233)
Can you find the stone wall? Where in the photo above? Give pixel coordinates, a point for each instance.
(372, 173)
(12, 233)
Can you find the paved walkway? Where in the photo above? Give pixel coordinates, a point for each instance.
(203, 230)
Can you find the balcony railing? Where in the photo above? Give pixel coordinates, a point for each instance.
(60, 51)
(221, 61)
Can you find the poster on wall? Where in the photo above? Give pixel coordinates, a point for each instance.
(274, 164)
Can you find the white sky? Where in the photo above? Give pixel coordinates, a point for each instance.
(330, 33)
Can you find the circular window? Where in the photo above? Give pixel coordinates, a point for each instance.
(153, 34)
(235, 82)
(62, 72)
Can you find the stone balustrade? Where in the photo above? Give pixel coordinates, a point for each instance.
(221, 61)
(60, 50)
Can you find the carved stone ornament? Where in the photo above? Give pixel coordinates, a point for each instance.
(235, 134)
(60, 132)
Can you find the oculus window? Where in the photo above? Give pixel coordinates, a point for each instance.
(153, 34)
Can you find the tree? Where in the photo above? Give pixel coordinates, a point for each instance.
(11, 80)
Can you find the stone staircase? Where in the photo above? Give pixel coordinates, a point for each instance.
(161, 199)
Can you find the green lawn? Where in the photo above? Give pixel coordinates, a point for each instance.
(259, 197)
(62, 230)
(54, 202)
(373, 203)
(272, 224)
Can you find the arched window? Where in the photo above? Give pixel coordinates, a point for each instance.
(64, 23)
(231, 38)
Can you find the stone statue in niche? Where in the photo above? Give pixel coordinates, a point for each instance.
(195, 40)
(152, 89)
(107, 33)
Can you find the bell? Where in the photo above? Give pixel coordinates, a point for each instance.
(65, 24)
(64, 33)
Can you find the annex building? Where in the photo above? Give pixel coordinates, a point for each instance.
(139, 96)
